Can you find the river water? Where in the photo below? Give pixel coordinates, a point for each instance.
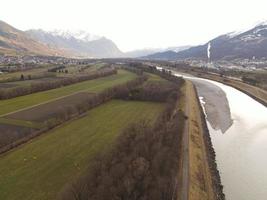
(241, 150)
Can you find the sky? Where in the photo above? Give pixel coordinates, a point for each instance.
(138, 24)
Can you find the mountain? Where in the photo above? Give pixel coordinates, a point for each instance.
(166, 55)
(141, 53)
(178, 48)
(169, 53)
(247, 44)
(80, 43)
(14, 41)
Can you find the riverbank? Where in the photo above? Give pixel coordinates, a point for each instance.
(204, 179)
(254, 92)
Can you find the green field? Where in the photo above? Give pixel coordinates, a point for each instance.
(39, 169)
(95, 85)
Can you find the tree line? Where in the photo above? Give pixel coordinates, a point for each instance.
(143, 163)
(166, 74)
(150, 91)
(56, 83)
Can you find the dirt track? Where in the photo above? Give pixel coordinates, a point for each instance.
(200, 177)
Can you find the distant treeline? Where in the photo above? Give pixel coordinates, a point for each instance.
(166, 74)
(55, 69)
(56, 83)
(143, 164)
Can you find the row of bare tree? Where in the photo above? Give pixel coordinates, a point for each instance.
(143, 164)
(7, 93)
(166, 74)
(151, 91)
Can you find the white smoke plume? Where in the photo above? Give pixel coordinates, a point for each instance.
(208, 51)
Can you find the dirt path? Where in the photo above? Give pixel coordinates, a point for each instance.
(200, 178)
(185, 152)
(196, 178)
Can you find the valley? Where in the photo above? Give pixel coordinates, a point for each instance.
(117, 100)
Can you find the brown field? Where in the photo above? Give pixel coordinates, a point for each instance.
(48, 110)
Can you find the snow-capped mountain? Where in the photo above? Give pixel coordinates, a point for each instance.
(246, 44)
(78, 34)
(80, 43)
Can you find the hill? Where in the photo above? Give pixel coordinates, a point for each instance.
(166, 55)
(14, 41)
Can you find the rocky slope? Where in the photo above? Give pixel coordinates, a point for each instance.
(14, 41)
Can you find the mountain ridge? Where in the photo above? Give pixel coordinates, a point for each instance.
(66, 44)
(245, 44)
(98, 47)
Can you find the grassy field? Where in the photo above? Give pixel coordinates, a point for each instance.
(39, 169)
(95, 85)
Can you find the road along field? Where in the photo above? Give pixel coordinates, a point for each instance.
(96, 85)
(40, 168)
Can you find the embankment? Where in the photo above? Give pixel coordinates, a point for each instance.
(211, 156)
(204, 179)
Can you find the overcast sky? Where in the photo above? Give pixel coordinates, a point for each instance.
(135, 24)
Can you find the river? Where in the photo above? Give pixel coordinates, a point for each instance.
(239, 138)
